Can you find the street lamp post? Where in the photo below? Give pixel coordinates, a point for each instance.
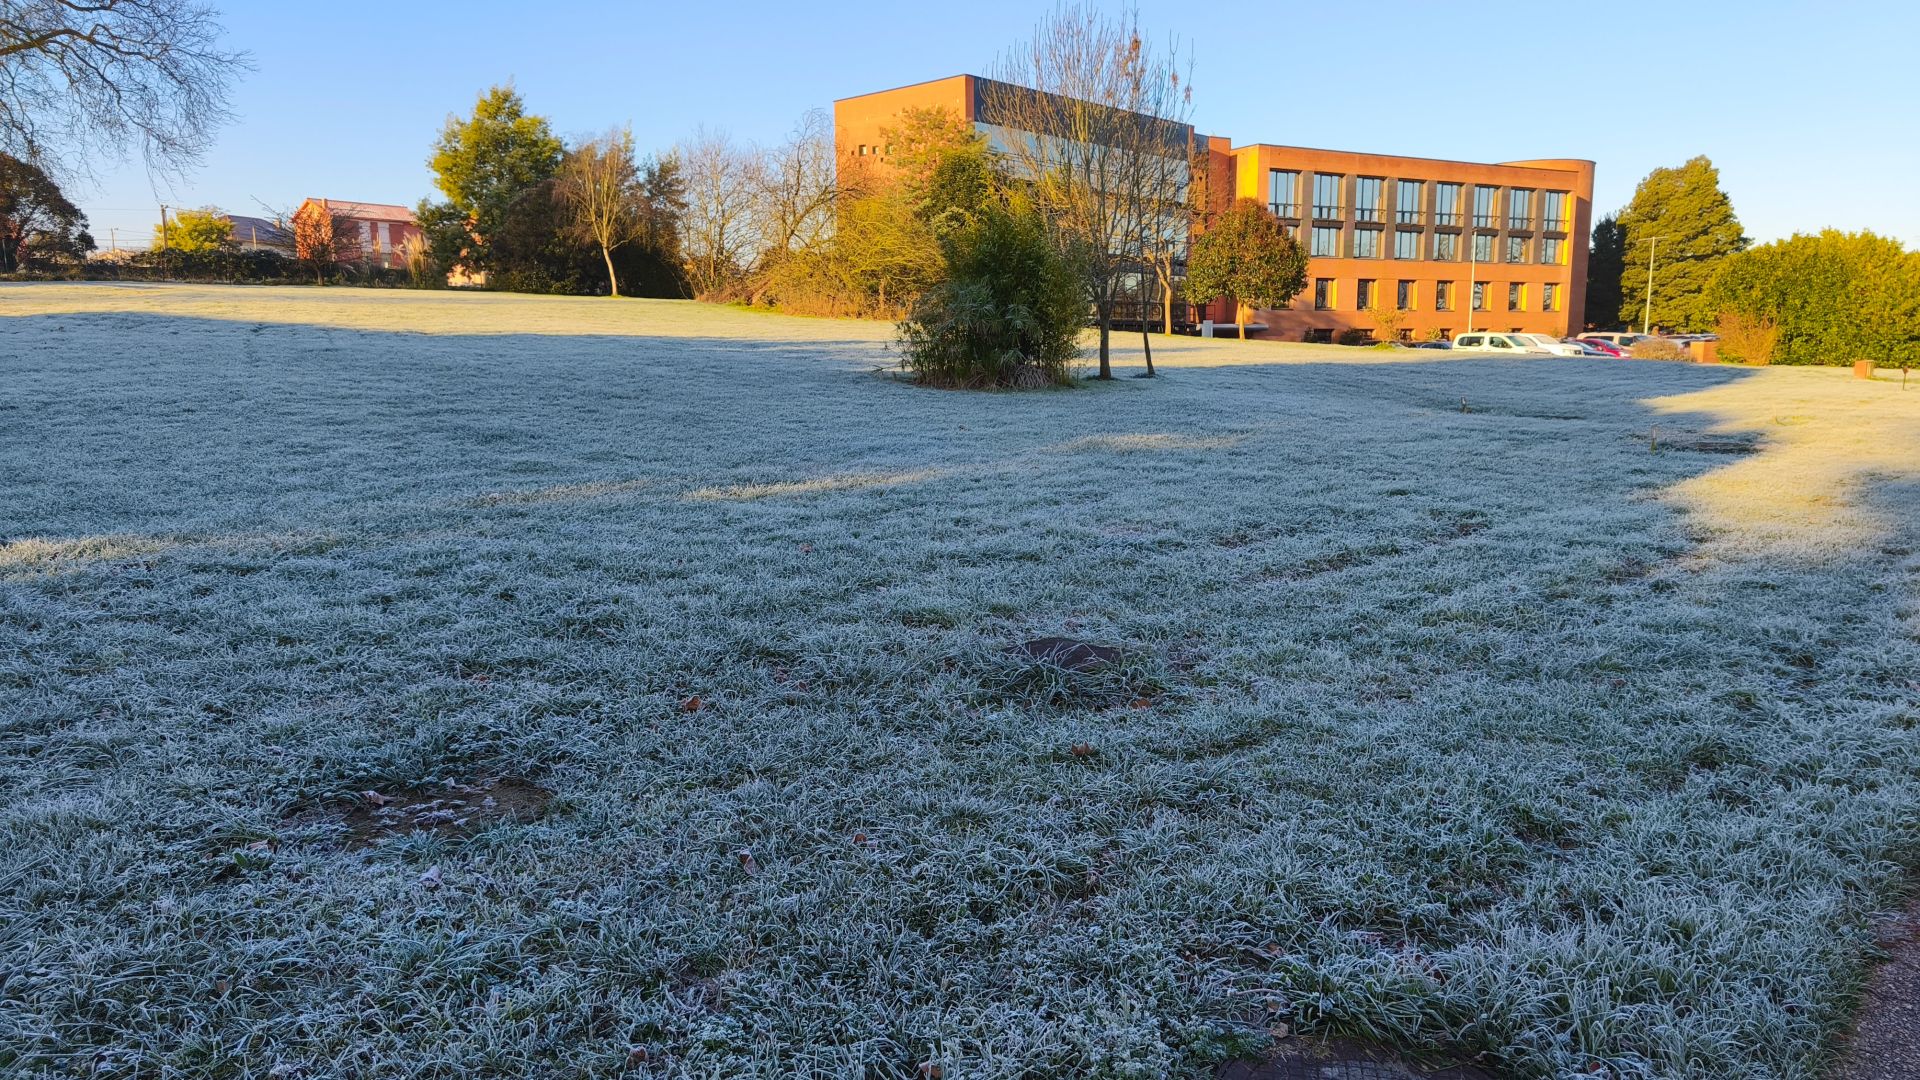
(1473, 266)
(1646, 316)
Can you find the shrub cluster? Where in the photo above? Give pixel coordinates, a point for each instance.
(1656, 348)
(1748, 339)
(1008, 313)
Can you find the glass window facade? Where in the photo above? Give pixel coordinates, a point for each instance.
(1446, 246)
(1283, 193)
(1479, 296)
(1516, 249)
(1516, 297)
(1406, 245)
(1551, 249)
(1322, 293)
(1482, 247)
(1407, 201)
(1446, 204)
(1326, 241)
(1363, 296)
(1483, 200)
(1366, 243)
(1443, 296)
(1520, 208)
(1326, 195)
(1550, 297)
(1366, 198)
(1553, 211)
(1403, 296)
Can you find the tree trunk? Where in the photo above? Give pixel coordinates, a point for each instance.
(1166, 305)
(613, 283)
(1240, 318)
(1106, 325)
(1146, 339)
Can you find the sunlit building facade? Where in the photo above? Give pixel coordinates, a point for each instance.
(1402, 246)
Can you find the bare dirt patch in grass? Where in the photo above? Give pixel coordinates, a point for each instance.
(439, 810)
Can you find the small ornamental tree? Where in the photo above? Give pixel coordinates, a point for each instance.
(1247, 255)
(599, 185)
(1386, 319)
(314, 230)
(206, 229)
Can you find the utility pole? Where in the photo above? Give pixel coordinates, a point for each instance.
(1646, 317)
(163, 227)
(113, 240)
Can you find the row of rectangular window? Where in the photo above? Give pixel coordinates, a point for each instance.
(1324, 243)
(1283, 197)
(1406, 295)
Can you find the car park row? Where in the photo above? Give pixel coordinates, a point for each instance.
(1611, 344)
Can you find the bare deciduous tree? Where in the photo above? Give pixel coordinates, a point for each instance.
(1092, 119)
(86, 77)
(1167, 250)
(794, 189)
(716, 234)
(600, 186)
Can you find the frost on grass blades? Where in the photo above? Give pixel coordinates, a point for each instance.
(1494, 731)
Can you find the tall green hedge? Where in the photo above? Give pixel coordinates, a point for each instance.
(1837, 297)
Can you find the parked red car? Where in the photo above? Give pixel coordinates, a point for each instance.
(1602, 345)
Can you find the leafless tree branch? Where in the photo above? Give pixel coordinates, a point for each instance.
(82, 80)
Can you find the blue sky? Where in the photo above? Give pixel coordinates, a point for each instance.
(1810, 110)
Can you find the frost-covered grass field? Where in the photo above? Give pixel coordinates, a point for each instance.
(1575, 730)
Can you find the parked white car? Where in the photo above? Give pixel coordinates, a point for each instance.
(1497, 343)
(1556, 346)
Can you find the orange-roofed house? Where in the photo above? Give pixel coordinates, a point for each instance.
(373, 233)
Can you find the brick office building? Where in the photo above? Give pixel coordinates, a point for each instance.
(1453, 245)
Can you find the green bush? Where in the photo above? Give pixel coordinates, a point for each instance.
(1008, 314)
(1834, 297)
(1353, 335)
